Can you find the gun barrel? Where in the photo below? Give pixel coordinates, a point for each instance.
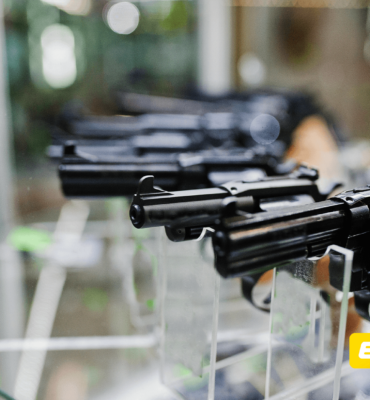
(249, 245)
(121, 126)
(204, 203)
(201, 207)
(112, 149)
(109, 180)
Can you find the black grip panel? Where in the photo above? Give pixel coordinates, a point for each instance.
(362, 303)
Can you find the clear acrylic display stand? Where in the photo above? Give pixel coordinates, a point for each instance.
(188, 303)
(308, 331)
(140, 250)
(212, 341)
(305, 356)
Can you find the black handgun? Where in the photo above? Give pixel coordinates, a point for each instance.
(247, 245)
(150, 133)
(167, 132)
(186, 213)
(287, 106)
(215, 117)
(103, 172)
(153, 142)
(119, 126)
(79, 124)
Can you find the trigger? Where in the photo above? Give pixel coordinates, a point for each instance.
(248, 284)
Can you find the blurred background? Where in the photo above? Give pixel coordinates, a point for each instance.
(92, 53)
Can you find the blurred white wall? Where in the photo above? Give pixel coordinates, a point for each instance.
(215, 46)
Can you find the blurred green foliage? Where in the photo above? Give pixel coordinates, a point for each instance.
(150, 304)
(190, 381)
(23, 238)
(158, 58)
(95, 299)
(180, 371)
(177, 18)
(94, 375)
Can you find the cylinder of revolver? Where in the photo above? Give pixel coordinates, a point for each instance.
(250, 244)
(246, 246)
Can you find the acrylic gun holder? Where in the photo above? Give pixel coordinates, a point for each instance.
(250, 245)
(309, 330)
(301, 353)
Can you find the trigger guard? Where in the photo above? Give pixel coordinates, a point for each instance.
(248, 283)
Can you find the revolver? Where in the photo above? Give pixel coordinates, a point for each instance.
(108, 172)
(248, 245)
(185, 214)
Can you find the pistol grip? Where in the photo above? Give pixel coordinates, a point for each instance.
(336, 270)
(362, 303)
